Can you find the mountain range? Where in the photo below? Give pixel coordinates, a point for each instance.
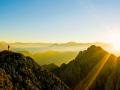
(41, 47)
(92, 69)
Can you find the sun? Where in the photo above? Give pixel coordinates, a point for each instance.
(116, 44)
(115, 41)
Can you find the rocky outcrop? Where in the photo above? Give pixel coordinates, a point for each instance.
(5, 83)
(22, 73)
(92, 69)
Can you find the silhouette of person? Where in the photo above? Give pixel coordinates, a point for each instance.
(8, 47)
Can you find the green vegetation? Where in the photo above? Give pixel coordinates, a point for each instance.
(49, 57)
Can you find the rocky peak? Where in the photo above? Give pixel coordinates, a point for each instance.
(25, 74)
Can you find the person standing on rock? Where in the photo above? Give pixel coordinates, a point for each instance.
(8, 47)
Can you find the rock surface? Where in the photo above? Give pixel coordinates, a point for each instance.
(92, 69)
(18, 72)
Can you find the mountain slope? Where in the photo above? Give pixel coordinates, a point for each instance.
(48, 57)
(22, 73)
(92, 69)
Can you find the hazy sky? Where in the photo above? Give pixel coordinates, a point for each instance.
(58, 20)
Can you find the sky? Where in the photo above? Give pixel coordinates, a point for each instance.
(59, 20)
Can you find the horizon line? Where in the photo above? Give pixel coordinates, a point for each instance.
(84, 42)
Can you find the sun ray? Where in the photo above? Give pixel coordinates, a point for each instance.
(88, 81)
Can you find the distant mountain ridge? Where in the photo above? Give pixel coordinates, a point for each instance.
(43, 47)
(21, 44)
(48, 57)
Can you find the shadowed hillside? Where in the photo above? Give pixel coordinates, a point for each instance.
(48, 57)
(92, 69)
(18, 72)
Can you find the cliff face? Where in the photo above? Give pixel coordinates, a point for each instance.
(92, 69)
(18, 72)
(75, 71)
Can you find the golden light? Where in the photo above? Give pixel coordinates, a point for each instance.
(115, 41)
(93, 74)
